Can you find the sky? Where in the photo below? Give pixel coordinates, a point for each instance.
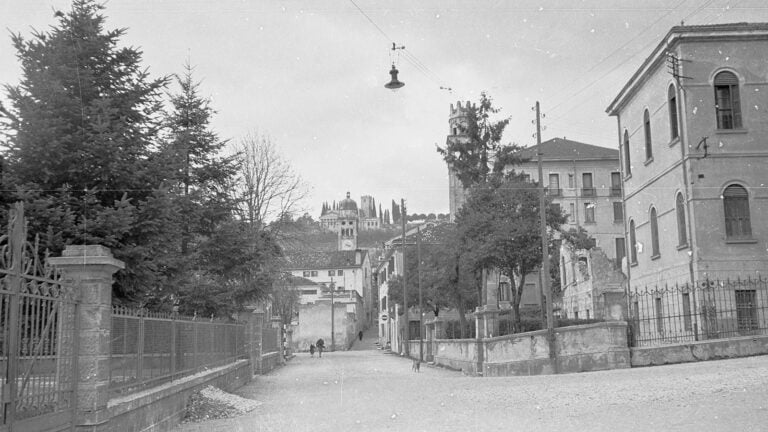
(310, 74)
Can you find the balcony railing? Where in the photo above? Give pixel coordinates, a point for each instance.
(588, 192)
(554, 191)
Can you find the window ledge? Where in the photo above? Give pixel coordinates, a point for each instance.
(634, 264)
(731, 131)
(682, 246)
(590, 223)
(648, 161)
(655, 257)
(741, 241)
(674, 141)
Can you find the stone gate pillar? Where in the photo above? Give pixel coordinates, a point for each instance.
(89, 270)
(254, 330)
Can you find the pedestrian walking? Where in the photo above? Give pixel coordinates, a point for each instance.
(312, 350)
(320, 347)
(360, 335)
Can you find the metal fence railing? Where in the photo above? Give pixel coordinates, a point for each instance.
(269, 340)
(148, 348)
(710, 309)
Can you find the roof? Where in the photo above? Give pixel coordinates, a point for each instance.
(299, 281)
(565, 149)
(304, 260)
(675, 35)
(347, 204)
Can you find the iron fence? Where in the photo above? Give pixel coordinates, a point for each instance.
(710, 309)
(270, 339)
(148, 348)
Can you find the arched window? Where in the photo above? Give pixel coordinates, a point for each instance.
(672, 107)
(736, 206)
(632, 243)
(727, 103)
(654, 234)
(647, 129)
(682, 235)
(627, 165)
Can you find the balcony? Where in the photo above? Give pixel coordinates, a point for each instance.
(588, 192)
(556, 192)
(615, 191)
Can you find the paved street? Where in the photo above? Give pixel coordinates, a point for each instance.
(368, 390)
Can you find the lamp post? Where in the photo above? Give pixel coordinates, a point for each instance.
(407, 338)
(333, 333)
(421, 303)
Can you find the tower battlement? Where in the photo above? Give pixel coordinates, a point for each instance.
(461, 111)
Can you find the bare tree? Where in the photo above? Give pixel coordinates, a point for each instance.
(269, 189)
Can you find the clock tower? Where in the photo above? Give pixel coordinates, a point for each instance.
(348, 224)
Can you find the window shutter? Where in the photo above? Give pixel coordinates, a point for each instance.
(726, 78)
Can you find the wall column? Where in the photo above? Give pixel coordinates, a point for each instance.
(89, 268)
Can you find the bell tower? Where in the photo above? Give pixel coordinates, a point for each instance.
(458, 121)
(348, 224)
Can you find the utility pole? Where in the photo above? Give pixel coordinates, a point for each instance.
(333, 336)
(544, 268)
(421, 302)
(405, 283)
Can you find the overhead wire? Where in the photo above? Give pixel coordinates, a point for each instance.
(407, 55)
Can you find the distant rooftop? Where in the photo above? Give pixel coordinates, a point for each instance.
(565, 149)
(303, 260)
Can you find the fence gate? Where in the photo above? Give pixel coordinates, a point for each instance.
(37, 337)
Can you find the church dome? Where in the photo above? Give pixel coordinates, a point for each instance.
(348, 204)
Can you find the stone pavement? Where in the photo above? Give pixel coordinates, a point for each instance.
(374, 391)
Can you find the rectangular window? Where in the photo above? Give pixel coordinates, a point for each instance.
(620, 251)
(615, 184)
(572, 215)
(313, 273)
(575, 314)
(587, 188)
(556, 208)
(570, 181)
(306, 273)
(746, 309)
(589, 212)
(659, 316)
(340, 273)
(587, 313)
(526, 177)
(554, 185)
(618, 212)
(331, 272)
(308, 292)
(687, 312)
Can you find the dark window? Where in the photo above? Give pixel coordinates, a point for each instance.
(340, 273)
(746, 309)
(308, 292)
(527, 178)
(564, 279)
(618, 212)
(620, 251)
(727, 103)
(615, 184)
(659, 316)
(589, 212)
(587, 187)
(306, 273)
(627, 161)
(654, 233)
(647, 129)
(570, 181)
(682, 236)
(313, 273)
(331, 272)
(556, 208)
(632, 243)
(736, 206)
(672, 106)
(554, 185)
(572, 215)
(687, 312)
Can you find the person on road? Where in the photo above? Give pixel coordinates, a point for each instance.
(320, 347)
(360, 335)
(312, 350)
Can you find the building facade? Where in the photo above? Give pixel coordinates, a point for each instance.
(457, 127)
(693, 137)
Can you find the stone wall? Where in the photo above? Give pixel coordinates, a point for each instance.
(458, 354)
(700, 351)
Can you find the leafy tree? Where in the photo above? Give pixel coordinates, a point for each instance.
(478, 153)
(81, 141)
(499, 228)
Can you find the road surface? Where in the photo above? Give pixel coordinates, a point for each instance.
(368, 390)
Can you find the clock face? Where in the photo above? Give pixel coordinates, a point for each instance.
(347, 244)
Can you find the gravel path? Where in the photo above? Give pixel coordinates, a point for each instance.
(373, 391)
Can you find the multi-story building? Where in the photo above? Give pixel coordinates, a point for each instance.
(584, 181)
(693, 142)
(693, 139)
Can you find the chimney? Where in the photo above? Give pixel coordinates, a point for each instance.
(358, 257)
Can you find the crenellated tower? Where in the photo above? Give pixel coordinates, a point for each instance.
(458, 121)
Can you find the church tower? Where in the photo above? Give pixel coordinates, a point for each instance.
(348, 224)
(457, 122)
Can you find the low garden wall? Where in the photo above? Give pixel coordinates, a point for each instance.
(162, 407)
(268, 362)
(699, 351)
(582, 348)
